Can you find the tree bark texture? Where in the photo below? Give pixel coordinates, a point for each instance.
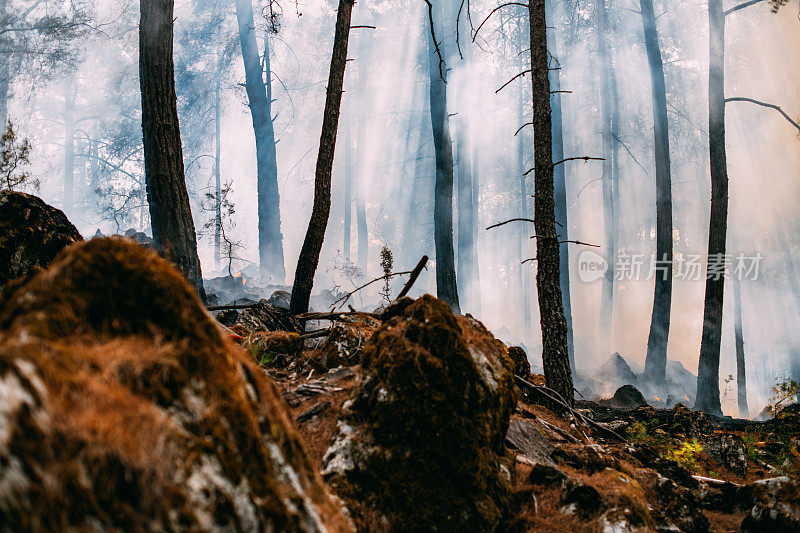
(656, 361)
(312, 244)
(170, 212)
(555, 356)
(270, 239)
(708, 370)
(446, 288)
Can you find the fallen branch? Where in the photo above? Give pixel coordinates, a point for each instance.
(544, 391)
(414, 275)
(305, 317)
(343, 299)
(224, 307)
(315, 334)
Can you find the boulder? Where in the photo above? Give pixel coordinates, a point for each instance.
(729, 450)
(421, 444)
(546, 475)
(344, 344)
(626, 398)
(280, 299)
(581, 500)
(776, 506)
(522, 367)
(124, 407)
(264, 317)
(525, 436)
(31, 234)
(681, 506)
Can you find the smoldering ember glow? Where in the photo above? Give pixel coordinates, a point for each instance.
(523, 266)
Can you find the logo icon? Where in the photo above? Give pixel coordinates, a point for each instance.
(591, 266)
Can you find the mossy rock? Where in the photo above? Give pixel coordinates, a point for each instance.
(126, 408)
(32, 233)
(421, 445)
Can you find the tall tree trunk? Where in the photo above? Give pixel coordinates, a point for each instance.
(270, 240)
(560, 183)
(708, 369)
(5, 88)
(555, 356)
(348, 182)
(467, 256)
(522, 236)
(446, 288)
(217, 173)
(170, 212)
(741, 378)
(656, 362)
(312, 244)
(607, 91)
(361, 175)
(69, 145)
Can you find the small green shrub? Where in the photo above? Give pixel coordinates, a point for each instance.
(687, 454)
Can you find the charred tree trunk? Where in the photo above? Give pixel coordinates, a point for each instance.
(446, 288)
(170, 212)
(560, 184)
(555, 356)
(708, 368)
(312, 244)
(270, 240)
(741, 378)
(609, 119)
(69, 146)
(656, 361)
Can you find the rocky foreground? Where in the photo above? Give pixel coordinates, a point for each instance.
(125, 405)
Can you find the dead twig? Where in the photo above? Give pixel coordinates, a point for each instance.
(583, 158)
(414, 275)
(343, 299)
(520, 75)
(435, 42)
(498, 8)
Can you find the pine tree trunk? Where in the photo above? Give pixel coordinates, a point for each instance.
(741, 378)
(312, 244)
(361, 175)
(170, 212)
(708, 370)
(446, 288)
(522, 236)
(348, 183)
(270, 239)
(69, 146)
(466, 219)
(656, 361)
(607, 91)
(555, 356)
(560, 184)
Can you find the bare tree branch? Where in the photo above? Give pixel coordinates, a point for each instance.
(475, 34)
(765, 104)
(741, 6)
(435, 42)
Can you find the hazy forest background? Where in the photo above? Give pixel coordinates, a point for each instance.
(70, 86)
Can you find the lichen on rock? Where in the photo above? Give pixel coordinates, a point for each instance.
(32, 233)
(421, 444)
(123, 406)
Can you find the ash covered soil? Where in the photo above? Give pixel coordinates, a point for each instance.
(126, 405)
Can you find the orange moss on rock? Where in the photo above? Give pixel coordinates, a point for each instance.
(421, 447)
(124, 406)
